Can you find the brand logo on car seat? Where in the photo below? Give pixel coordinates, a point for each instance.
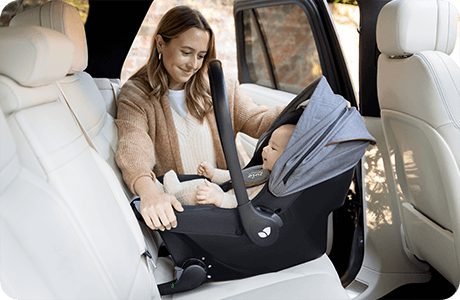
(265, 232)
(253, 175)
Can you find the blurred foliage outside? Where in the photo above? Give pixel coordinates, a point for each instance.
(349, 2)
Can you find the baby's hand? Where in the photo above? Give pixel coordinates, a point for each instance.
(206, 170)
(209, 195)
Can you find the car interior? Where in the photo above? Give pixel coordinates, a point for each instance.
(67, 229)
(419, 88)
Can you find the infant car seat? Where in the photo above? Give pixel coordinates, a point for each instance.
(286, 223)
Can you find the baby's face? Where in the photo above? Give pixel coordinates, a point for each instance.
(275, 147)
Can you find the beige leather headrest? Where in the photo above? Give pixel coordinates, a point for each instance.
(406, 27)
(64, 18)
(34, 56)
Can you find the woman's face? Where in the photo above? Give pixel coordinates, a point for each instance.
(183, 56)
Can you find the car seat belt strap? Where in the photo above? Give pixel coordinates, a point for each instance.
(88, 139)
(146, 253)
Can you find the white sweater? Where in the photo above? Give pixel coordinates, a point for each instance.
(196, 146)
(195, 139)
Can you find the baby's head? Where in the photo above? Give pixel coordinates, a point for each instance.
(276, 145)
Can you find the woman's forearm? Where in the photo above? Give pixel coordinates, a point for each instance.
(145, 186)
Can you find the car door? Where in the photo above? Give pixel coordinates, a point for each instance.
(283, 46)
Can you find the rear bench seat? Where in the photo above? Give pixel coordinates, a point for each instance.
(80, 89)
(93, 103)
(51, 145)
(84, 242)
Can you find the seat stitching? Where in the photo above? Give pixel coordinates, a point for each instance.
(439, 87)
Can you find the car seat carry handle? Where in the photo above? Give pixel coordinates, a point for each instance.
(261, 228)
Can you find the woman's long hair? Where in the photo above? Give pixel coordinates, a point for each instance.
(176, 21)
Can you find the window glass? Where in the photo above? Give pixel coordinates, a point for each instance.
(18, 6)
(289, 47)
(255, 57)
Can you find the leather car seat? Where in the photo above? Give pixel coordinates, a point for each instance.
(45, 249)
(419, 95)
(84, 231)
(86, 99)
(80, 89)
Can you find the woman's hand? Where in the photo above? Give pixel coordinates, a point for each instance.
(209, 195)
(156, 206)
(206, 170)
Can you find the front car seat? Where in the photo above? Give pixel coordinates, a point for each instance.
(419, 95)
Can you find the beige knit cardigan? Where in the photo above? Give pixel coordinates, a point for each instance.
(147, 136)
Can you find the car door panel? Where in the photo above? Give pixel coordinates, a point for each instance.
(263, 96)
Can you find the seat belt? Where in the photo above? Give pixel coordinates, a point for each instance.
(146, 253)
(88, 139)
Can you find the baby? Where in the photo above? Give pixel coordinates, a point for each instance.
(203, 192)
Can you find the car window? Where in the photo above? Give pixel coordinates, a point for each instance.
(18, 6)
(280, 48)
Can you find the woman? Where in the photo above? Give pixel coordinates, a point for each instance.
(165, 118)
